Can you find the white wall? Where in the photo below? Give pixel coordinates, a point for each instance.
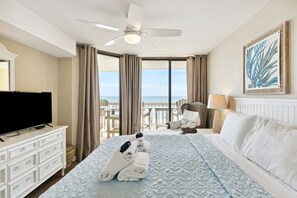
(20, 24)
(225, 62)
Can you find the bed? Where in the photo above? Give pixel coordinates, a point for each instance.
(192, 165)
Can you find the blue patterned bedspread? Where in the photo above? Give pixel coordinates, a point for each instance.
(186, 166)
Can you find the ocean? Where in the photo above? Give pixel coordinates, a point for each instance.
(146, 99)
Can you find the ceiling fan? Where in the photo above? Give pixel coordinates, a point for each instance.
(133, 32)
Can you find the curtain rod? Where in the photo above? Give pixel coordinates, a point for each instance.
(165, 58)
(143, 58)
(109, 53)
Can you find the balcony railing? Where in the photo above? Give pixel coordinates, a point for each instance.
(155, 115)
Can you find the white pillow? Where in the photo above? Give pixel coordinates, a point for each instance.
(236, 126)
(273, 147)
(190, 124)
(190, 117)
(174, 124)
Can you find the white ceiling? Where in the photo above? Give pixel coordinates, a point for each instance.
(204, 23)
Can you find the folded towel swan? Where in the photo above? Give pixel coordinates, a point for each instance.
(120, 159)
(137, 169)
(145, 147)
(137, 136)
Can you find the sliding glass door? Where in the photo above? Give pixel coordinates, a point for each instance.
(163, 88)
(178, 87)
(155, 95)
(109, 88)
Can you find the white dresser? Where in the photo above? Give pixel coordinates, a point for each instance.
(27, 160)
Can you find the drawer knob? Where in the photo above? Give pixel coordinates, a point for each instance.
(55, 148)
(16, 168)
(54, 161)
(47, 152)
(28, 179)
(16, 187)
(28, 162)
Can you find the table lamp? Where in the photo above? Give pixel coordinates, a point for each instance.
(216, 102)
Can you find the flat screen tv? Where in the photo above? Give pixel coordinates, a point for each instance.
(22, 110)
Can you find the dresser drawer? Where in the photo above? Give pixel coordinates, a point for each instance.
(22, 149)
(22, 184)
(3, 157)
(50, 151)
(3, 175)
(51, 138)
(3, 192)
(22, 165)
(48, 167)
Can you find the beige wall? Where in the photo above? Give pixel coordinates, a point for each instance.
(65, 98)
(68, 96)
(38, 71)
(35, 71)
(225, 63)
(75, 89)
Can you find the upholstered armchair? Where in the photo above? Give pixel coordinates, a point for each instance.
(199, 107)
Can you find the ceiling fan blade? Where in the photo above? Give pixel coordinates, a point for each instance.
(100, 25)
(135, 15)
(149, 40)
(113, 41)
(161, 32)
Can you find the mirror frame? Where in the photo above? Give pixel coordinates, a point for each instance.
(10, 57)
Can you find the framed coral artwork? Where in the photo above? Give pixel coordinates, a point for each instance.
(265, 69)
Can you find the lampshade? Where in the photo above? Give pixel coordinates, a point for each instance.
(216, 102)
(132, 38)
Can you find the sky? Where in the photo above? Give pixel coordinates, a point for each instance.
(154, 83)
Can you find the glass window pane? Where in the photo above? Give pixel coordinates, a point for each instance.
(155, 94)
(178, 87)
(109, 88)
(109, 78)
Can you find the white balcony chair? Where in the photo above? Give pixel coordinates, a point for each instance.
(176, 113)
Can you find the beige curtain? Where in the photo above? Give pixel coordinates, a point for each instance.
(130, 94)
(88, 110)
(197, 79)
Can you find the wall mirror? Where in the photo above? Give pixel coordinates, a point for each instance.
(7, 69)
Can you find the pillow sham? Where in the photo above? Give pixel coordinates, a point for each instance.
(174, 124)
(236, 126)
(273, 147)
(190, 117)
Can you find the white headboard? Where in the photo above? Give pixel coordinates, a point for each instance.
(283, 110)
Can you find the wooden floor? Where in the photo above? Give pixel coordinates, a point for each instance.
(48, 183)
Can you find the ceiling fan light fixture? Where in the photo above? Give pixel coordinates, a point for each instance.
(132, 38)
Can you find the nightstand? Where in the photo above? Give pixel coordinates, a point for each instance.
(205, 131)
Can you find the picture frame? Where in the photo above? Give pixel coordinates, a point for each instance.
(266, 62)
